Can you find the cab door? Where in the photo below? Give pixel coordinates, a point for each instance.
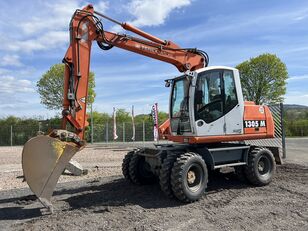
(209, 119)
(233, 103)
(218, 103)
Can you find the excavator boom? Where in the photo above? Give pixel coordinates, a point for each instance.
(85, 27)
(44, 157)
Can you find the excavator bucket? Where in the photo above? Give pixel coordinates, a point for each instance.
(43, 160)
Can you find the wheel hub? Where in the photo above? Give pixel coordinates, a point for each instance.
(264, 165)
(191, 177)
(261, 166)
(194, 177)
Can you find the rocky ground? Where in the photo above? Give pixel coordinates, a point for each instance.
(103, 200)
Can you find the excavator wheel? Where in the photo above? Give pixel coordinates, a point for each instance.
(189, 177)
(261, 166)
(125, 165)
(165, 174)
(140, 171)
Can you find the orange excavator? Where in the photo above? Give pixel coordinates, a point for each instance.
(208, 119)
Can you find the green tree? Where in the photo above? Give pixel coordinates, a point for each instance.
(11, 120)
(162, 117)
(100, 117)
(263, 79)
(123, 116)
(50, 87)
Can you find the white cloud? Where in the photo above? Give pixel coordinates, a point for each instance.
(296, 96)
(57, 15)
(49, 40)
(153, 12)
(53, 16)
(301, 16)
(242, 24)
(47, 28)
(10, 84)
(10, 60)
(296, 78)
(101, 6)
(4, 71)
(301, 99)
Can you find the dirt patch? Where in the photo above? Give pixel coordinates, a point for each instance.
(98, 162)
(111, 203)
(103, 200)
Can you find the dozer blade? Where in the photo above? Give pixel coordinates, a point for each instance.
(43, 160)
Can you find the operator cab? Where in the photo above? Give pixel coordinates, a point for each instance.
(208, 102)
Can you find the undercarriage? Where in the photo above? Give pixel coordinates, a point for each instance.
(182, 170)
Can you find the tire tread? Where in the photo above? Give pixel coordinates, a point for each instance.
(165, 174)
(250, 172)
(125, 165)
(177, 176)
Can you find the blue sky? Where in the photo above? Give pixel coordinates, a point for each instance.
(34, 36)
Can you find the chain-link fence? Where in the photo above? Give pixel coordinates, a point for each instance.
(296, 130)
(124, 132)
(20, 134)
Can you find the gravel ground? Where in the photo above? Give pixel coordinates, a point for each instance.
(103, 200)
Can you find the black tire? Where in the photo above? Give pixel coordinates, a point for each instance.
(261, 167)
(140, 171)
(165, 174)
(125, 165)
(189, 165)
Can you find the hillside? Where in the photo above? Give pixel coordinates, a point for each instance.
(295, 106)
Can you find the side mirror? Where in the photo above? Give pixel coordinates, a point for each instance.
(168, 82)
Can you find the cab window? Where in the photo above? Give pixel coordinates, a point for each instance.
(208, 97)
(215, 95)
(230, 91)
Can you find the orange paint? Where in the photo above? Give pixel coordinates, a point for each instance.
(78, 54)
(252, 112)
(217, 139)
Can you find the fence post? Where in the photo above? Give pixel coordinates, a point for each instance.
(11, 135)
(107, 132)
(123, 131)
(92, 133)
(143, 131)
(284, 155)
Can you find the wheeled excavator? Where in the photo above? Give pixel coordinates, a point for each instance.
(208, 124)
